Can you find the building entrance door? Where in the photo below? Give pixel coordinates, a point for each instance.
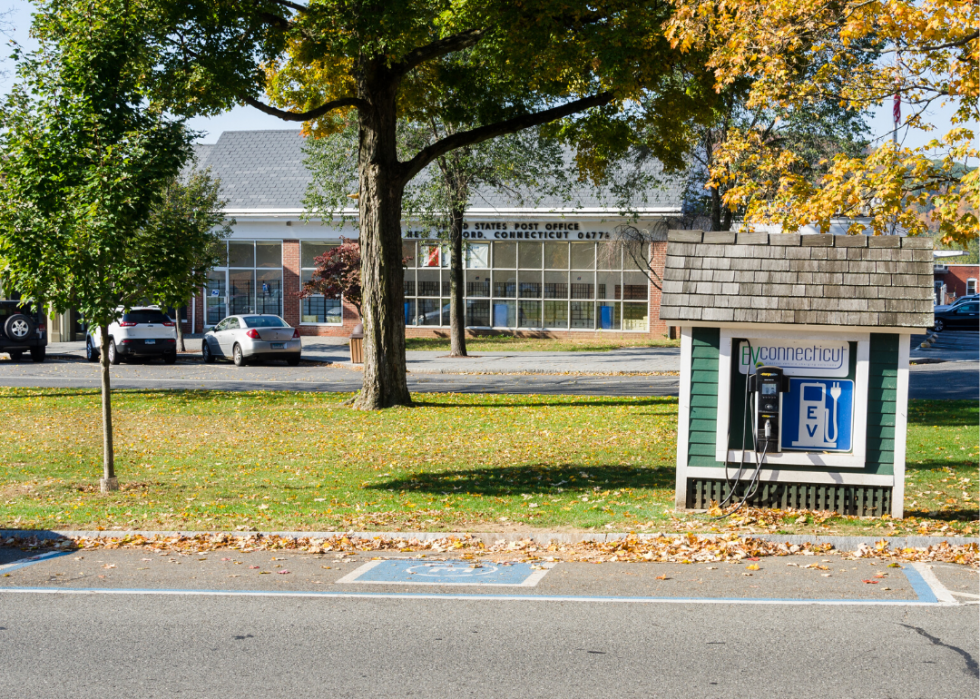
(216, 297)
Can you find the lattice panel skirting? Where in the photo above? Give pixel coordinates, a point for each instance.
(843, 499)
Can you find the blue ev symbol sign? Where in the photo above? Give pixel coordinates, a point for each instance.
(818, 415)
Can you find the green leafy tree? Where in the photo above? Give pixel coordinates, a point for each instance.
(86, 162)
(183, 234)
(583, 67)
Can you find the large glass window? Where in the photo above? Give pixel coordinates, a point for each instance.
(249, 280)
(318, 309)
(529, 285)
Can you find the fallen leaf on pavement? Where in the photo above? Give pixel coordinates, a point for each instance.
(253, 567)
(752, 567)
(870, 582)
(662, 577)
(283, 572)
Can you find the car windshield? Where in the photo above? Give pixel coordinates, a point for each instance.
(265, 322)
(146, 316)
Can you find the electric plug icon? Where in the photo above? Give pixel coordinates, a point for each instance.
(835, 392)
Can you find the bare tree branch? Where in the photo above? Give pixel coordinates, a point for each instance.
(314, 113)
(440, 47)
(484, 133)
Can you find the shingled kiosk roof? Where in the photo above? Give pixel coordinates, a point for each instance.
(849, 280)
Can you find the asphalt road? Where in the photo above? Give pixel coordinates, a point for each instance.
(947, 380)
(532, 643)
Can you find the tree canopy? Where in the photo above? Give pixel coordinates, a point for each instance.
(925, 52)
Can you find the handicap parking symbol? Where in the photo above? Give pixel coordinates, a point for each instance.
(818, 415)
(413, 572)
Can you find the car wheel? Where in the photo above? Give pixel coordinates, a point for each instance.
(113, 352)
(238, 355)
(91, 353)
(293, 361)
(206, 353)
(19, 328)
(940, 325)
(38, 354)
(170, 358)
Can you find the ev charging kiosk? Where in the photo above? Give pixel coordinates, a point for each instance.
(794, 366)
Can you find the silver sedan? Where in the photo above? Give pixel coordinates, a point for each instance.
(252, 336)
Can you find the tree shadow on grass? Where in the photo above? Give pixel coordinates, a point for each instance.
(943, 413)
(533, 479)
(636, 402)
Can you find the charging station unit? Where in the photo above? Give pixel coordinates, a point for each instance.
(794, 366)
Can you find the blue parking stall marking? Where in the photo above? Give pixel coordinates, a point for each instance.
(919, 585)
(415, 572)
(31, 560)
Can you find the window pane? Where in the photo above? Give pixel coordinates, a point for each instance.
(610, 316)
(242, 292)
(583, 285)
(410, 312)
(583, 255)
(504, 284)
(556, 314)
(478, 256)
(556, 255)
(241, 254)
(146, 317)
(609, 286)
(530, 256)
(609, 256)
(635, 286)
(503, 314)
(478, 284)
(529, 284)
(428, 312)
(269, 291)
(428, 282)
(409, 282)
(310, 251)
(556, 285)
(221, 252)
(478, 314)
(635, 316)
(635, 255)
(582, 315)
(268, 254)
(504, 255)
(317, 309)
(216, 293)
(429, 255)
(408, 253)
(529, 314)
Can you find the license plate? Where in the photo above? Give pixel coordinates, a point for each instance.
(150, 342)
(278, 345)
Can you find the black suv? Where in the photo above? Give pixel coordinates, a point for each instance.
(22, 329)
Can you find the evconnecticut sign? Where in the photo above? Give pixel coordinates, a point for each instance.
(796, 358)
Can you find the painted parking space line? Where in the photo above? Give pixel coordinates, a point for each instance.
(442, 573)
(31, 560)
(478, 597)
(927, 579)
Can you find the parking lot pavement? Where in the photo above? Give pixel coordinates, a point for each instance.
(949, 346)
(228, 624)
(947, 380)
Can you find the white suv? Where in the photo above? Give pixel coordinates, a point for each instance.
(145, 331)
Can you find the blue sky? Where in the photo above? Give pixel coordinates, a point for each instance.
(248, 118)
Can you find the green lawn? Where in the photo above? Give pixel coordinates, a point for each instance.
(300, 461)
(509, 343)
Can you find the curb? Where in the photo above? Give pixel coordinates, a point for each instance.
(840, 543)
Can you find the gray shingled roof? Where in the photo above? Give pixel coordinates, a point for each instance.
(851, 280)
(264, 170)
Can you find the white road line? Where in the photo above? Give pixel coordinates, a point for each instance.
(938, 589)
(964, 594)
(476, 597)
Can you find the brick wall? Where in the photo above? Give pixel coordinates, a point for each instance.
(290, 281)
(955, 279)
(658, 258)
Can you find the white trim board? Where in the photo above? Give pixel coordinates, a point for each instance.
(810, 331)
(901, 427)
(771, 475)
(683, 419)
(856, 459)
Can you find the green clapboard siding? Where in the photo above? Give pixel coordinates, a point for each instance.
(703, 417)
(882, 394)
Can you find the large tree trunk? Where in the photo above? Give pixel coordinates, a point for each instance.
(180, 333)
(457, 315)
(380, 208)
(108, 481)
(716, 210)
